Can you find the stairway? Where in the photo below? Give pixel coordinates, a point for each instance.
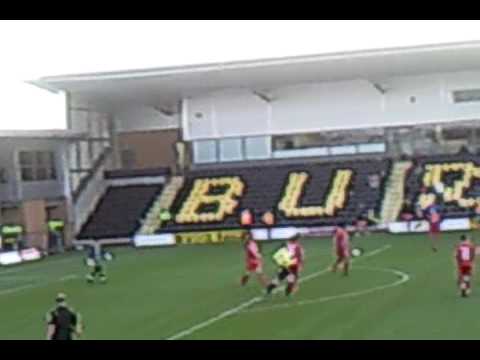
(152, 222)
(394, 192)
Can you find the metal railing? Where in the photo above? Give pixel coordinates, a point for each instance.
(89, 192)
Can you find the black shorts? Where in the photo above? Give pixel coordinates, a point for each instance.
(62, 336)
(98, 268)
(283, 273)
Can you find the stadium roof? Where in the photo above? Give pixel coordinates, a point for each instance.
(42, 134)
(166, 86)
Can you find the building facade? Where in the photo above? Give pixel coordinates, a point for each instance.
(384, 102)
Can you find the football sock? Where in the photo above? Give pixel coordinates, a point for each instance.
(289, 288)
(270, 288)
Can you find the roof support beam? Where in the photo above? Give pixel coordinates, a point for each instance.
(381, 89)
(265, 97)
(165, 111)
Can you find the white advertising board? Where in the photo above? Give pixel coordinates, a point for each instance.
(284, 233)
(455, 224)
(402, 227)
(259, 234)
(154, 240)
(10, 258)
(281, 233)
(30, 254)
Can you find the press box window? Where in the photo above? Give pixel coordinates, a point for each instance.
(37, 165)
(205, 151)
(466, 96)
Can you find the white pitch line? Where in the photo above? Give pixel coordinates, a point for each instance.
(375, 252)
(403, 279)
(28, 269)
(215, 319)
(69, 277)
(372, 253)
(16, 289)
(37, 265)
(252, 301)
(37, 285)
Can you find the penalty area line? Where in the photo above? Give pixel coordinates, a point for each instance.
(247, 304)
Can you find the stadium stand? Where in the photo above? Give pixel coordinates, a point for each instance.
(262, 187)
(118, 213)
(265, 186)
(462, 203)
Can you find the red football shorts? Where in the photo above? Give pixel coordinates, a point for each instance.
(434, 228)
(465, 269)
(294, 269)
(342, 254)
(254, 266)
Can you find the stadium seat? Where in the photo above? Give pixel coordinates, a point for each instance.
(118, 213)
(264, 188)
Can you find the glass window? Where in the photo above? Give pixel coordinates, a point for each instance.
(257, 147)
(3, 176)
(231, 150)
(456, 133)
(26, 158)
(44, 158)
(371, 148)
(37, 165)
(462, 96)
(42, 174)
(27, 174)
(205, 151)
(343, 150)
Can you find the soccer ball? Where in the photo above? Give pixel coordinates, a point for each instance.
(357, 252)
(90, 262)
(107, 256)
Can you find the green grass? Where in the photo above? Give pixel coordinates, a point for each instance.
(157, 293)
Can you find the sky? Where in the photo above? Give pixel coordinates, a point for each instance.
(31, 49)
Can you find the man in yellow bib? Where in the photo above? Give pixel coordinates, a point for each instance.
(289, 259)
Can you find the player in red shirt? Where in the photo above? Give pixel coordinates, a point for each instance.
(253, 261)
(434, 220)
(298, 255)
(341, 244)
(465, 256)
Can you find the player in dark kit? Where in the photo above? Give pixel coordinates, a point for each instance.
(465, 257)
(95, 255)
(63, 323)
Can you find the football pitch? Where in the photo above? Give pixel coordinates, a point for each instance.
(398, 289)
